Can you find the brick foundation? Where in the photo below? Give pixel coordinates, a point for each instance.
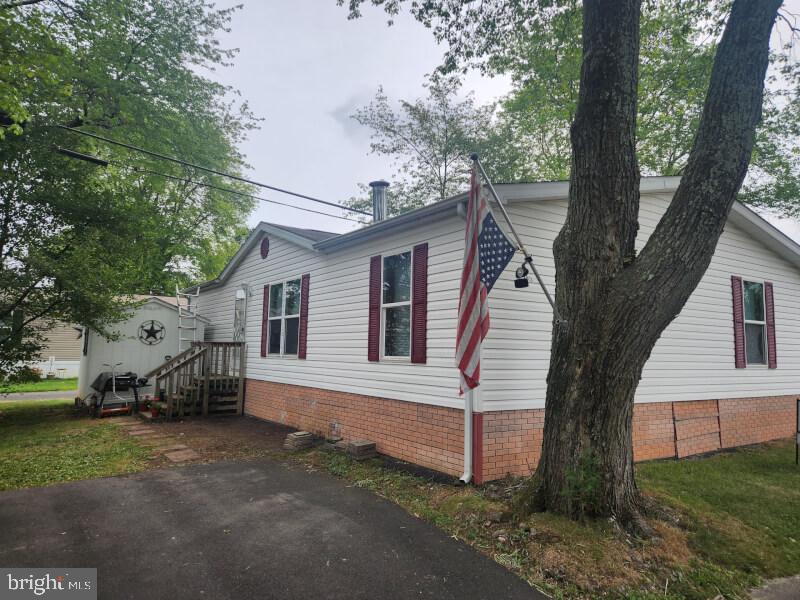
(431, 436)
(511, 441)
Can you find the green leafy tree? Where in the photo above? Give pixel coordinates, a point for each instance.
(430, 140)
(617, 302)
(77, 236)
(676, 49)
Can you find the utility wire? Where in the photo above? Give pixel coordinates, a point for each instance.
(229, 190)
(102, 162)
(208, 170)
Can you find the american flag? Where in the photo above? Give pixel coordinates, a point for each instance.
(487, 251)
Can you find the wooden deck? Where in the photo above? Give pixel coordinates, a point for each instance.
(208, 378)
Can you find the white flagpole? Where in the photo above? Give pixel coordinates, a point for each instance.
(520, 245)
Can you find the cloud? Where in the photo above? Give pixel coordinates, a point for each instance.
(342, 115)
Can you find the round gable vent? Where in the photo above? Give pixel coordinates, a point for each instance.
(264, 247)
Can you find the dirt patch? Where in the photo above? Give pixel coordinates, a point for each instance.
(224, 438)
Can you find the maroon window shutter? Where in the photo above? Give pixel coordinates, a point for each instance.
(772, 349)
(738, 322)
(419, 305)
(265, 321)
(303, 333)
(374, 333)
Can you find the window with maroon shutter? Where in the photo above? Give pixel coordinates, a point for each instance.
(374, 332)
(396, 287)
(755, 322)
(769, 305)
(303, 336)
(419, 305)
(738, 322)
(264, 321)
(285, 302)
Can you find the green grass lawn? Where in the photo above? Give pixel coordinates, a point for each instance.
(43, 442)
(736, 521)
(744, 505)
(69, 384)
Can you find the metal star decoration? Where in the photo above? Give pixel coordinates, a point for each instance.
(151, 332)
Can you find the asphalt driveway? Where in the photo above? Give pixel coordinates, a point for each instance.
(243, 530)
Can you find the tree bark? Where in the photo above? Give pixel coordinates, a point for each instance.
(616, 304)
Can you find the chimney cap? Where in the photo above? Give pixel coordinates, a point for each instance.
(379, 183)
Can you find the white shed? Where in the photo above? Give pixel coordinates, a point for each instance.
(148, 338)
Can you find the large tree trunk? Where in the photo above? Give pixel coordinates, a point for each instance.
(616, 304)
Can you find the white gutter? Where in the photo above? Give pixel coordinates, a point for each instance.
(468, 401)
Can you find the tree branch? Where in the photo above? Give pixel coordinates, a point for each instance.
(678, 252)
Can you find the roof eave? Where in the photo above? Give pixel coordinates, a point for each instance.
(395, 224)
(255, 235)
(765, 232)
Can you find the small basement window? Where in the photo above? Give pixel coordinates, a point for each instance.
(284, 317)
(755, 324)
(396, 305)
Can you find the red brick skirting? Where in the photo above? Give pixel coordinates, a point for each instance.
(431, 436)
(510, 441)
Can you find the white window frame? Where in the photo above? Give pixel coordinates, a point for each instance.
(283, 316)
(408, 303)
(763, 323)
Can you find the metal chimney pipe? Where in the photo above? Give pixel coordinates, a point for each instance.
(379, 206)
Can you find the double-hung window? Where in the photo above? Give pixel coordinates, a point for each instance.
(396, 305)
(284, 317)
(755, 323)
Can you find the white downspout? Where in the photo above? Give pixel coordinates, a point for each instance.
(468, 402)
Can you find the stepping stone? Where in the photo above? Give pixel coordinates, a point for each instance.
(171, 447)
(140, 431)
(154, 439)
(182, 455)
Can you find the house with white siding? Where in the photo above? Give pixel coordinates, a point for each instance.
(353, 336)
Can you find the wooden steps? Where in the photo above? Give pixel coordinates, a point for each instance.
(208, 378)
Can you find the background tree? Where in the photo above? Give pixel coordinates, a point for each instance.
(676, 49)
(616, 302)
(76, 236)
(429, 139)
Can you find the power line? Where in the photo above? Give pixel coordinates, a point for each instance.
(230, 191)
(105, 163)
(208, 170)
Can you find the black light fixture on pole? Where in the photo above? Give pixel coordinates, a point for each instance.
(521, 280)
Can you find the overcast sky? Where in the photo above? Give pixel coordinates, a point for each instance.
(305, 69)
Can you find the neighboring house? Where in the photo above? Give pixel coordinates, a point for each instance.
(61, 351)
(328, 352)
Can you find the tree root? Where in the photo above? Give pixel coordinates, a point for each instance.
(529, 498)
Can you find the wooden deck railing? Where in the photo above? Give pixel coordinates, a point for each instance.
(208, 377)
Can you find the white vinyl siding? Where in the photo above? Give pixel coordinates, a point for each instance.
(338, 316)
(693, 360)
